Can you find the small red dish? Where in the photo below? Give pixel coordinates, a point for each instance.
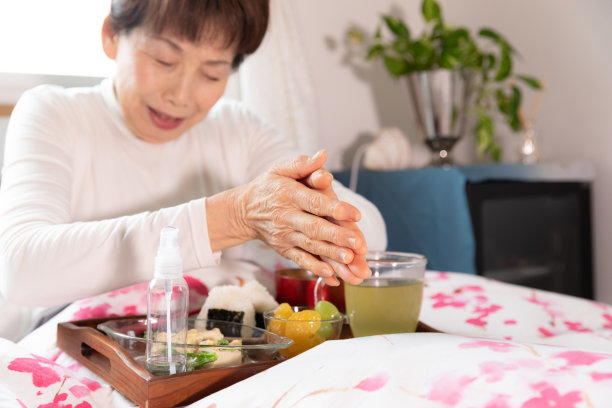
(296, 287)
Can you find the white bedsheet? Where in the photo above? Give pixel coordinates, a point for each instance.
(510, 347)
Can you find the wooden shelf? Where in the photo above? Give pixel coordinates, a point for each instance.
(5, 110)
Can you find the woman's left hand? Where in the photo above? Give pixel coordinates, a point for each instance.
(321, 180)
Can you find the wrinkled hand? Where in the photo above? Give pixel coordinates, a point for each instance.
(358, 269)
(293, 209)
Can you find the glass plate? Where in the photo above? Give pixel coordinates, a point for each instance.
(257, 344)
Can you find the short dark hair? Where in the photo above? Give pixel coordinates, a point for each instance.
(242, 23)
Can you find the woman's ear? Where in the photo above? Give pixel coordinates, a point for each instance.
(109, 39)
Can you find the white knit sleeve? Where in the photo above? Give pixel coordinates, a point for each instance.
(46, 257)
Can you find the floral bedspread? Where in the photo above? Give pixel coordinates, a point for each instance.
(503, 346)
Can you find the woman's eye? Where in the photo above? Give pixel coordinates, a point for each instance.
(164, 63)
(211, 78)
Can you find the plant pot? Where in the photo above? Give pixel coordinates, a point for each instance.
(441, 100)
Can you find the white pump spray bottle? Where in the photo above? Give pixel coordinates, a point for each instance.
(167, 303)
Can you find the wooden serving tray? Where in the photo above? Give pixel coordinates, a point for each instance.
(111, 362)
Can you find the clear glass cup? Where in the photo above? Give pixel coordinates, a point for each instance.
(390, 300)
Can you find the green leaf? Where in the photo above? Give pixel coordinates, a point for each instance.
(515, 102)
(484, 131)
(197, 360)
(488, 33)
(531, 81)
(495, 151)
(397, 26)
(378, 33)
(503, 102)
(423, 54)
(375, 51)
(402, 46)
(396, 66)
(449, 60)
(497, 38)
(431, 11)
(505, 64)
(355, 36)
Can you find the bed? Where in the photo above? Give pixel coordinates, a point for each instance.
(500, 346)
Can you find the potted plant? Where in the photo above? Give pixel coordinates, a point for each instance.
(451, 72)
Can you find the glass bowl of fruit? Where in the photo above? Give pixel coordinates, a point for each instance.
(305, 326)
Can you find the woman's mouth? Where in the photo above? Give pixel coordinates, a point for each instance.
(164, 121)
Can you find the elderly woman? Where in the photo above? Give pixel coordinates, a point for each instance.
(91, 175)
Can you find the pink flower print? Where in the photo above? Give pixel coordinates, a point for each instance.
(92, 312)
(41, 376)
(440, 276)
(499, 401)
(196, 286)
(481, 298)
(79, 391)
(443, 300)
(476, 321)
(510, 322)
(496, 346)
(139, 287)
(495, 370)
(130, 310)
(197, 292)
(529, 363)
(448, 388)
(91, 384)
(469, 288)
(601, 376)
(608, 318)
(373, 383)
(550, 397)
(483, 312)
(546, 305)
(21, 403)
(577, 327)
(581, 358)
(487, 310)
(545, 332)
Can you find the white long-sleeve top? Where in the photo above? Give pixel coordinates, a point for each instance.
(82, 200)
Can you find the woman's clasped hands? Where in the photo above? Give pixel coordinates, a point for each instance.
(293, 208)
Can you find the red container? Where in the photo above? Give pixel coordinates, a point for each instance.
(296, 287)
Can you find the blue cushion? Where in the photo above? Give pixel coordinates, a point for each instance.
(425, 211)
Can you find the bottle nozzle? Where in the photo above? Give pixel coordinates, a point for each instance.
(168, 239)
(168, 261)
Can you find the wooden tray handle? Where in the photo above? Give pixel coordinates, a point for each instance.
(94, 348)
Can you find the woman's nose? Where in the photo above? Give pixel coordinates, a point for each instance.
(179, 91)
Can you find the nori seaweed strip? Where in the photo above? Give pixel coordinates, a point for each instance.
(259, 320)
(232, 316)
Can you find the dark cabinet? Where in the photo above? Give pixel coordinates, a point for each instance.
(533, 233)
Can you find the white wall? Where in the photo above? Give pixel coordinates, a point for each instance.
(564, 41)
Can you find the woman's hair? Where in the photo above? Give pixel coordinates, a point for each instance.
(239, 23)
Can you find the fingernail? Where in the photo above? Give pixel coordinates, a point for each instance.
(352, 243)
(326, 272)
(346, 256)
(316, 156)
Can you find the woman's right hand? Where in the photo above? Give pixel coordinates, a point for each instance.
(303, 224)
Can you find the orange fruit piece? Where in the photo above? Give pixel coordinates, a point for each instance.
(302, 328)
(283, 311)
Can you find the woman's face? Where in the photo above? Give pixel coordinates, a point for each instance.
(165, 85)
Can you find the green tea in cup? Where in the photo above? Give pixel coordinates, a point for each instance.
(390, 300)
